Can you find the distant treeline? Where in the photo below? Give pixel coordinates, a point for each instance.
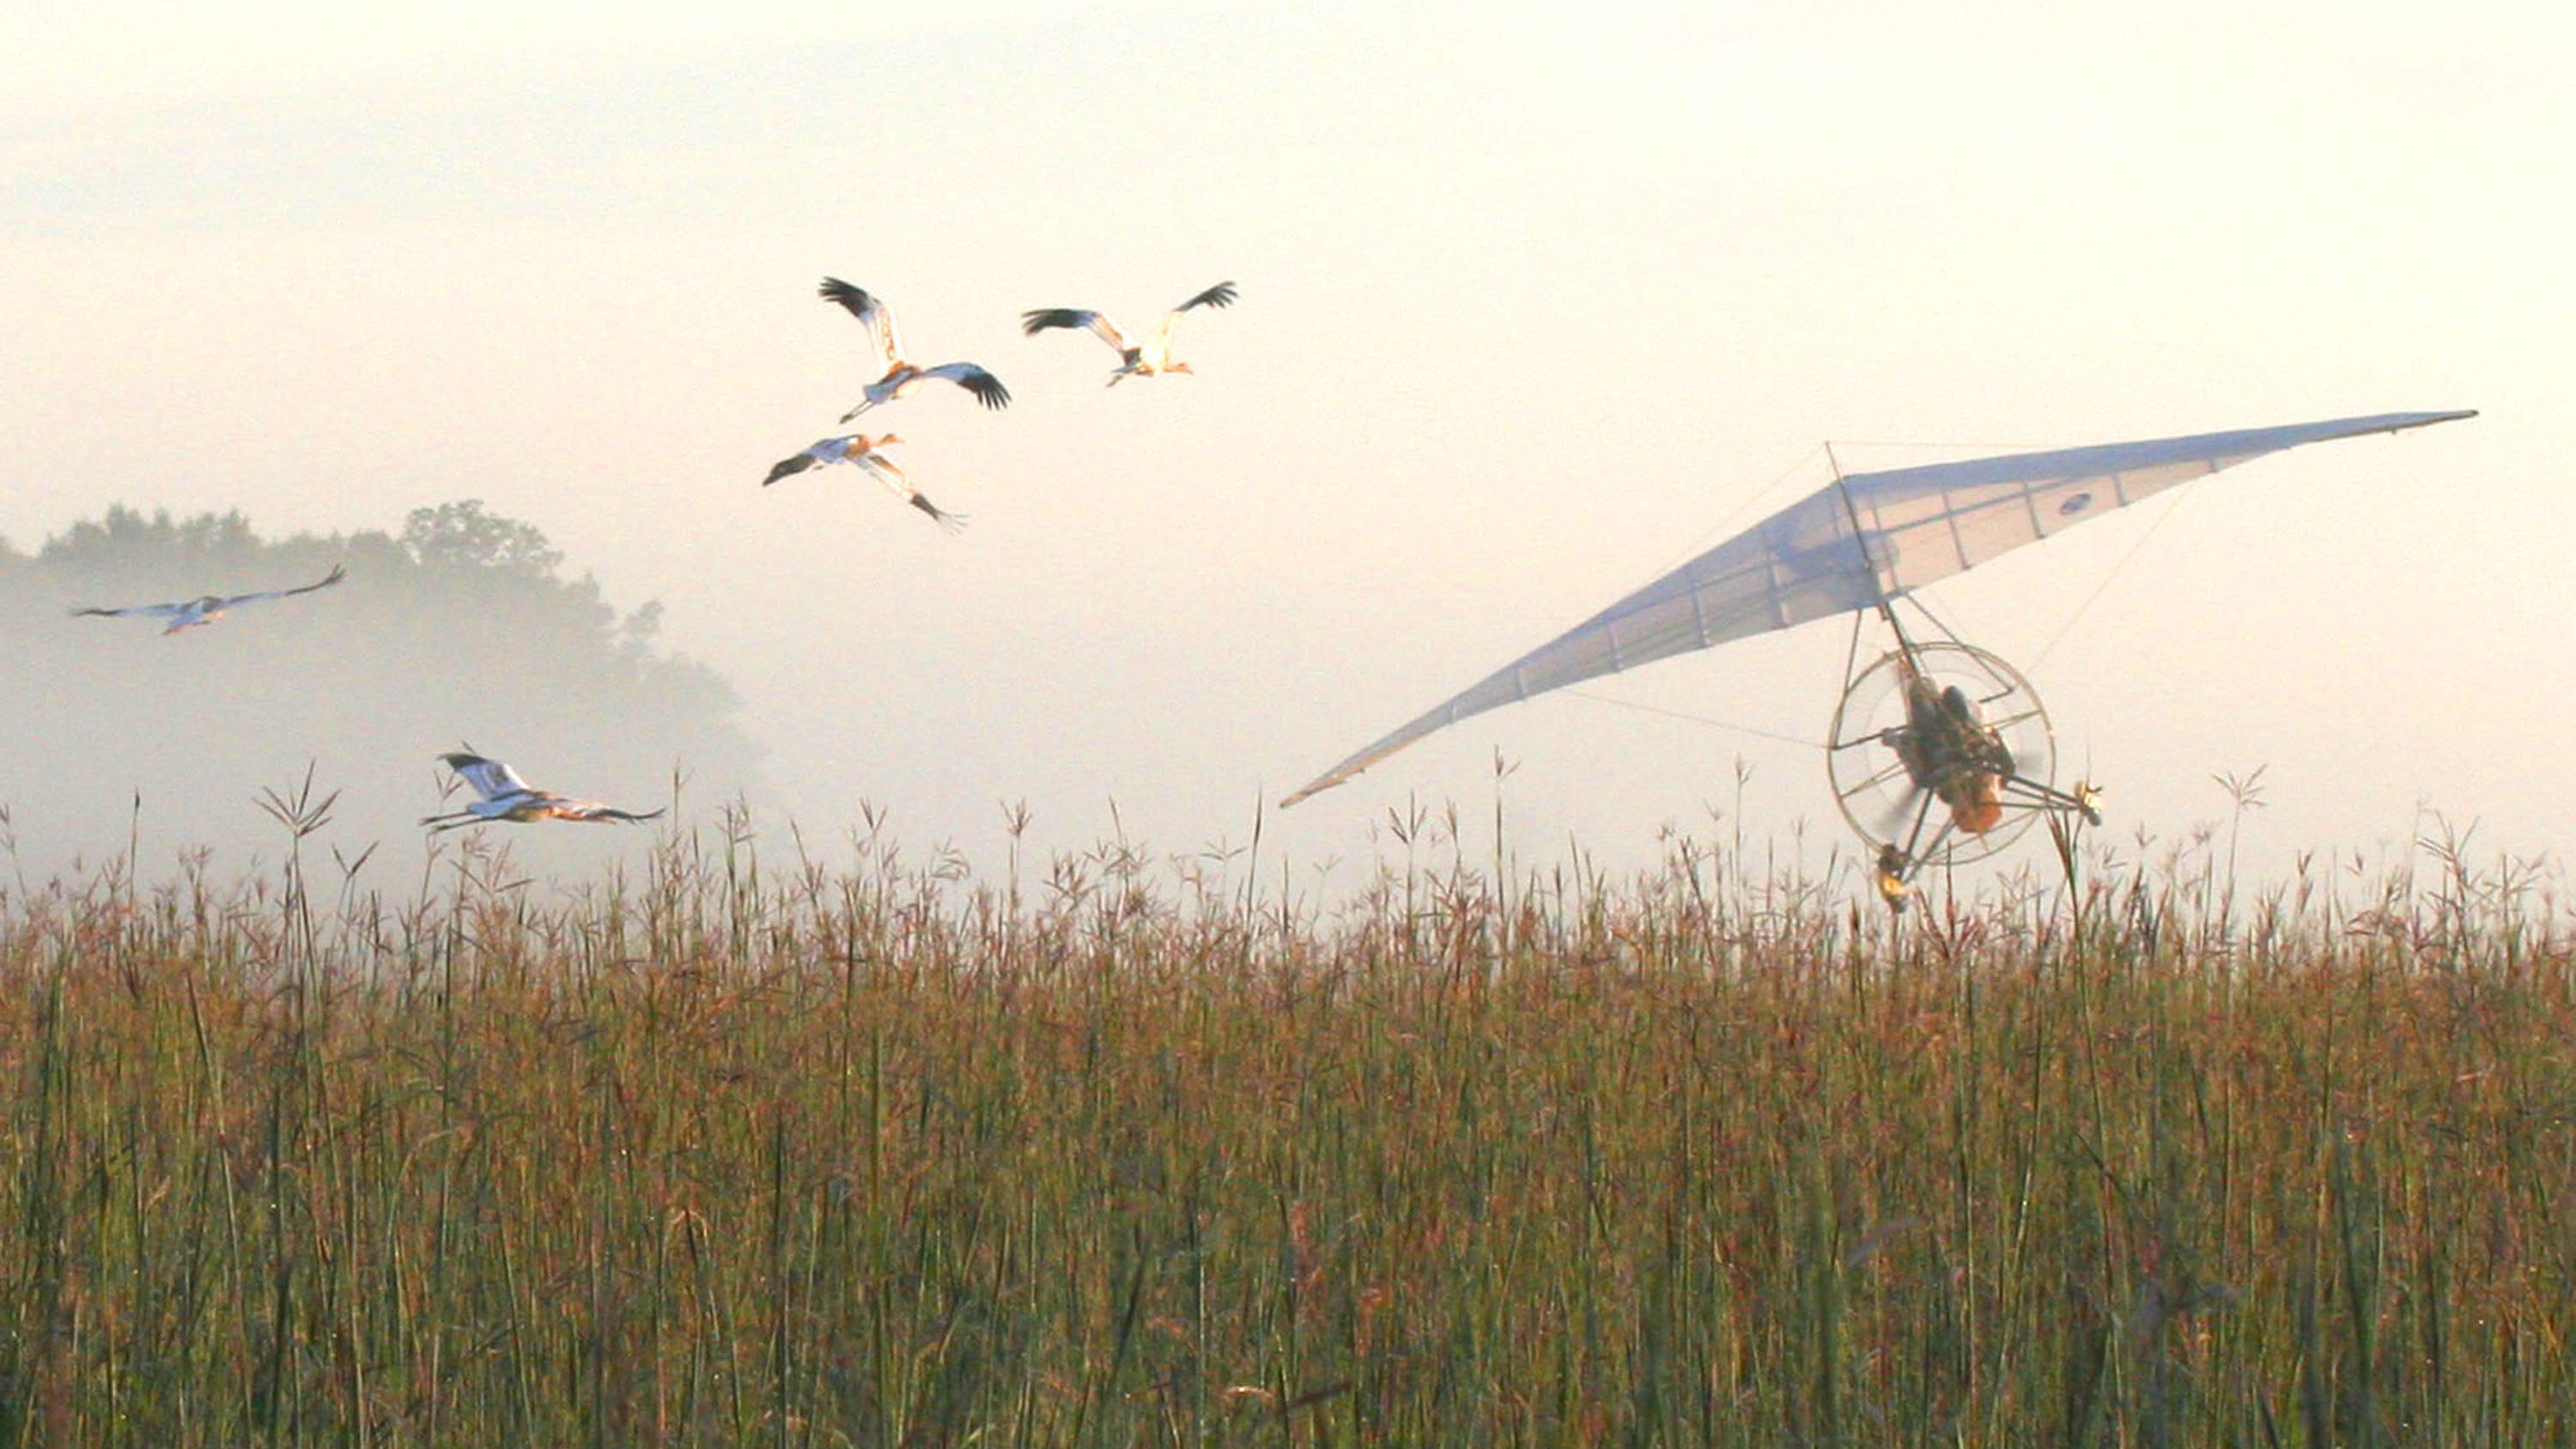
(461, 627)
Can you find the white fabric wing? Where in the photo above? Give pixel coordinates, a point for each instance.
(1915, 526)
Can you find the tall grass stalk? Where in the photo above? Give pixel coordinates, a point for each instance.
(730, 1152)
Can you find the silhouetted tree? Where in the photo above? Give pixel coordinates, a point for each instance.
(462, 535)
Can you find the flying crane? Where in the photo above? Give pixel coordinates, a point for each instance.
(868, 455)
(505, 796)
(198, 612)
(901, 376)
(1151, 357)
(1939, 751)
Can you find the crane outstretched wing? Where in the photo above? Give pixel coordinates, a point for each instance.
(987, 388)
(885, 470)
(490, 778)
(871, 311)
(338, 574)
(789, 467)
(1220, 295)
(593, 810)
(1033, 323)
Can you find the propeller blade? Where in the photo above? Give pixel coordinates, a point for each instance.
(1891, 825)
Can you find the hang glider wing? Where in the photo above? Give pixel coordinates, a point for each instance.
(1869, 537)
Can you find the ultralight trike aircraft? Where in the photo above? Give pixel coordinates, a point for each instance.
(1939, 752)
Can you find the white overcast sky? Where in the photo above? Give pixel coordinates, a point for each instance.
(1536, 300)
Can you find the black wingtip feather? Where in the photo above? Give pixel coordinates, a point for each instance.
(951, 522)
(836, 290)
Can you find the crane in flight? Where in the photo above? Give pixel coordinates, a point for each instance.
(197, 612)
(1149, 358)
(507, 797)
(864, 452)
(901, 376)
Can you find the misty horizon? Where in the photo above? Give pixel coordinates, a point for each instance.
(1518, 331)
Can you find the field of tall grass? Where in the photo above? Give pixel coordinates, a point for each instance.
(1123, 1149)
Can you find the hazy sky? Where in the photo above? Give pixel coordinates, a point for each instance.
(1536, 301)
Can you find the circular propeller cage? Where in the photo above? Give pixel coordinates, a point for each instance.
(1876, 793)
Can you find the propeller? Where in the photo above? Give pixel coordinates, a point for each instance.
(1979, 695)
(1891, 825)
